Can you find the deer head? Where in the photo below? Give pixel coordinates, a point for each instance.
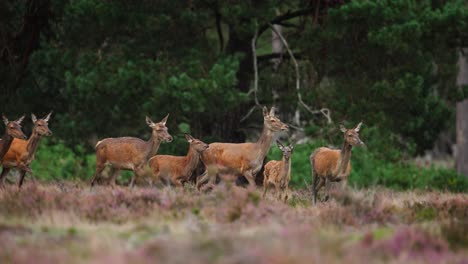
(272, 122)
(159, 129)
(351, 136)
(197, 144)
(41, 126)
(13, 128)
(287, 151)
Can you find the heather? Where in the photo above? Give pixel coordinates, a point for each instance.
(69, 222)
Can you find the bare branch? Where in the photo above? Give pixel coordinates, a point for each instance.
(324, 111)
(288, 15)
(255, 66)
(219, 30)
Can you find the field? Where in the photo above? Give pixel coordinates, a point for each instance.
(68, 222)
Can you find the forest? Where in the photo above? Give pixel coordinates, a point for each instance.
(97, 69)
(102, 66)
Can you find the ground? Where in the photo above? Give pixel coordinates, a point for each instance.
(68, 222)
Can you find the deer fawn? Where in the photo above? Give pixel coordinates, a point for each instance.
(241, 158)
(332, 164)
(13, 130)
(278, 172)
(22, 152)
(129, 153)
(174, 169)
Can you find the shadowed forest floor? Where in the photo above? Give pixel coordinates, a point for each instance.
(70, 223)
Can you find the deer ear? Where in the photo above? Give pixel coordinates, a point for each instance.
(272, 111)
(189, 138)
(5, 120)
(265, 111)
(342, 128)
(358, 127)
(149, 122)
(291, 146)
(33, 118)
(48, 116)
(164, 120)
(279, 144)
(20, 120)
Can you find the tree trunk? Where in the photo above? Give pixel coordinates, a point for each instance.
(462, 118)
(230, 130)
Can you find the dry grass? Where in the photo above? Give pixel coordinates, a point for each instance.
(70, 223)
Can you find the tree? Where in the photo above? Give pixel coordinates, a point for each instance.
(462, 117)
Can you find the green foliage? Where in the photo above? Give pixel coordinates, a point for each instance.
(391, 63)
(55, 161)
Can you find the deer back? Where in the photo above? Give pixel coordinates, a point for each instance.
(122, 151)
(239, 156)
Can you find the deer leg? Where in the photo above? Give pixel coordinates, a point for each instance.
(265, 186)
(3, 175)
(320, 184)
(201, 179)
(24, 169)
(250, 178)
(132, 181)
(344, 184)
(20, 182)
(327, 188)
(315, 179)
(114, 173)
(285, 191)
(99, 169)
(278, 191)
(137, 172)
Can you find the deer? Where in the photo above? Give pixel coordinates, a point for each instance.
(22, 152)
(176, 169)
(129, 153)
(241, 159)
(333, 165)
(278, 172)
(13, 130)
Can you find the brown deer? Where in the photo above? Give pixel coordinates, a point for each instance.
(22, 152)
(241, 158)
(174, 169)
(278, 172)
(13, 130)
(333, 165)
(129, 153)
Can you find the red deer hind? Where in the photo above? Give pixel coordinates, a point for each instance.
(129, 153)
(13, 130)
(174, 169)
(22, 152)
(242, 158)
(333, 165)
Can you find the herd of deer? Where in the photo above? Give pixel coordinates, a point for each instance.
(238, 159)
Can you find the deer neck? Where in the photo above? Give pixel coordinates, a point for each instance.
(6, 139)
(33, 143)
(264, 143)
(192, 158)
(345, 156)
(152, 146)
(286, 169)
